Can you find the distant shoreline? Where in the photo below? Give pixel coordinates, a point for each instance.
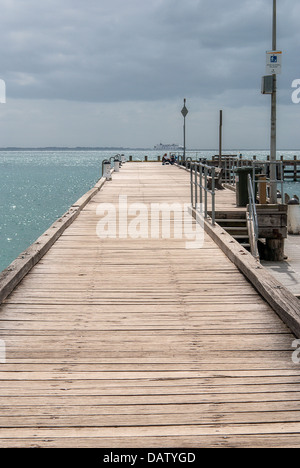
(120, 149)
(77, 148)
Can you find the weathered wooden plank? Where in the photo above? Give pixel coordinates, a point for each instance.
(143, 431)
(218, 397)
(226, 408)
(166, 420)
(221, 441)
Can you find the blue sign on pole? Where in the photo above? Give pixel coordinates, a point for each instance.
(274, 61)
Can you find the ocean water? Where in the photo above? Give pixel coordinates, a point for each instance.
(37, 187)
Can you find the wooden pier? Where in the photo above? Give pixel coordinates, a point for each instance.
(142, 342)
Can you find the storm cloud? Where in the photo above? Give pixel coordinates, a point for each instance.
(132, 55)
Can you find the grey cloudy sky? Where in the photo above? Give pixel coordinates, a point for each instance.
(115, 72)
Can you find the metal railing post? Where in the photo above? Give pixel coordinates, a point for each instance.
(196, 185)
(213, 195)
(201, 182)
(205, 195)
(192, 186)
(253, 220)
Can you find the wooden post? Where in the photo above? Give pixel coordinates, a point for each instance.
(272, 222)
(274, 250)
(262, 189)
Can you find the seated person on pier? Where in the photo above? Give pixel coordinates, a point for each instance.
(173, 159)
(166, 159)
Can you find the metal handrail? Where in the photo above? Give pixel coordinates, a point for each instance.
(229, 164)
(202, 179)
(267, 166)
(252, 220)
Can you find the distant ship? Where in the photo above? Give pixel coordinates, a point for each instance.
(173, 147)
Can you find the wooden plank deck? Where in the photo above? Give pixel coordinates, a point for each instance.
(143, 343)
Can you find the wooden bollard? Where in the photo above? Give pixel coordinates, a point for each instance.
(130, 158)
(146, 158)
(262, 189)
(158, 158)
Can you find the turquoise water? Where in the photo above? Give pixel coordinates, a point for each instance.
(37, 187)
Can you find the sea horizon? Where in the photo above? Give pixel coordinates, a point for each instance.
(121, 148)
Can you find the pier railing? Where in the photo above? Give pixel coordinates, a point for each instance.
(261, 176)
(252, 220)
(264, 181)
(229, 163)
(202, 179)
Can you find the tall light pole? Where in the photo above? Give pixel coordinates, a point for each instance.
(184, 112)
(273, 147)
